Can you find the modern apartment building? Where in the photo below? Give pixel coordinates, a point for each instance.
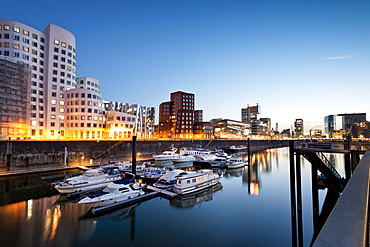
(177, 117)
(50, 56)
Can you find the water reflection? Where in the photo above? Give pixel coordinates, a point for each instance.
(195, 198)
(37, 222)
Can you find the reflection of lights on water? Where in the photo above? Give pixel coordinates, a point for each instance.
(254, 189)
(29, 209)
(47, 225)
(55, 221)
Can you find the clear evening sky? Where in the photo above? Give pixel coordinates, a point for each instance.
(297, 59)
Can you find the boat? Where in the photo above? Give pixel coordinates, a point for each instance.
(153, 173)
(191, 182)
(168, 179)
(236, 149)
(93, 179)
(166, 155)
(235, 162)
(184, 158)
(115, 192)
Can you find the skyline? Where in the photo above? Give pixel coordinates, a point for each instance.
(310, 59)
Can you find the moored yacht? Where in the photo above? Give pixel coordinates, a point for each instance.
(166, 155)
(114, 192)
(194, 181)
(169, 179)
(235, 162)
(90, 180)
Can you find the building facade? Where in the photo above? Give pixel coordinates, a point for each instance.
(51, 57)
(298, 128)
(330, 125)
(42, 98)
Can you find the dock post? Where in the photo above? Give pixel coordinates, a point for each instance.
(347, 166)
(315, 201)
(249, 151)
(299, 198)
(292, 193)
(8, 155)
(134, 154)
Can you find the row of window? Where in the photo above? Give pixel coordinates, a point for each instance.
(83, 95)
(25, 32)
(63, 44)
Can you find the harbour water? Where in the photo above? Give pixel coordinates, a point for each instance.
(251, 207)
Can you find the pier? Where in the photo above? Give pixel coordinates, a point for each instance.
(347, 224)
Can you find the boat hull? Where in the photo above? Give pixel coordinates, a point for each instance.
(109, 200)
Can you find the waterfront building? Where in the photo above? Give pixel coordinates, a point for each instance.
(177, 116)
(298, 128)
(330, 125)
(141, 119)
(42, 98)
(203, 130)
(316, 132)
(250, 113)
(348, 119)
(227, 128)
(85, 116)
(50, 57)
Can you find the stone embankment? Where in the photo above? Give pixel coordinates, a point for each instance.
(24, 154)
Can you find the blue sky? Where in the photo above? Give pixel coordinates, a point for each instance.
(297, 59)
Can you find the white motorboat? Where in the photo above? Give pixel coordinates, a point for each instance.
(166, 155)
(115, 192)
(194, 181)
(184, 158)
(168, 179)
(235, 162)
(94, 179)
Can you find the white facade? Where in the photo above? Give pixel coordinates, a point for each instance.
(51, 55)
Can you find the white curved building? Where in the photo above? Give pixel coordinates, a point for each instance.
(51, 57)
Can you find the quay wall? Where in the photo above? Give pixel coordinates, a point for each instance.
(25, 154)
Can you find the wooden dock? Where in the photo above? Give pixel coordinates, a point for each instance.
(162, 192)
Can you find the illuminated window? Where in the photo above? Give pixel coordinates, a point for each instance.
(52, 116)
(35, 36)
(64, 44)
(53, 102)
(61, 110)
(34, 52)
(16, 46)
(61, 102)
(61, 117)
(17, 29)
(26, 49)
(33, 122)
(6, 27)
(25, 32)
(56, 41)
(6, 44)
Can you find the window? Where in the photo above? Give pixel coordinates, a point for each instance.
(53, 102)
(54, 79)
(63, 59)
(16, 37)
(56, 42)
(6, 44)
(16, 46)
(34, 52)
(55, 72)
(56, 57)
(63, 52)
(25, 32)
(42, 40)
(34, 44)
(53, 109)
(64, 44)
(6, 27)
(35, 36)
(26, 49)
(56, 49)
(55, 65)
(27, 41)
(6, 36)
(54, 94)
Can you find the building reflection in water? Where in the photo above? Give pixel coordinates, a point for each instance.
(39, 222)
